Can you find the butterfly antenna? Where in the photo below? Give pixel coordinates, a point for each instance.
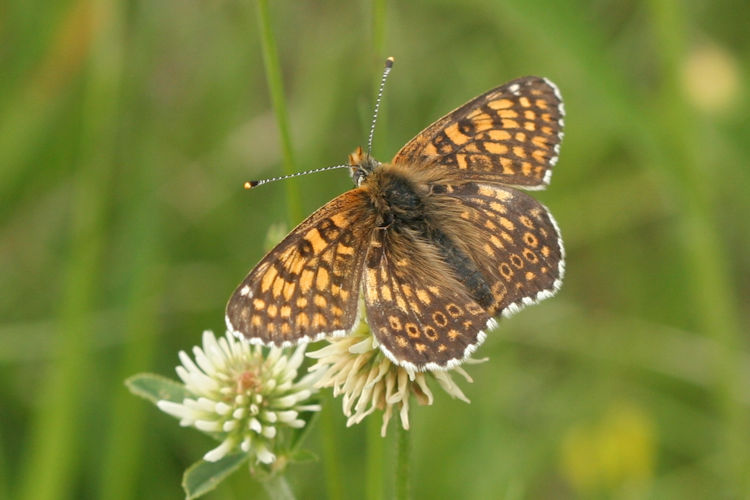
(388, 66)
(252, 184)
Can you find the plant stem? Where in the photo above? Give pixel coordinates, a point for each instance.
(331, 456)
(278, 488)
(276, 89)
(403, 452)
(375, 460)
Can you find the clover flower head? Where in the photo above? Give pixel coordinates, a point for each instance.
(355, 367)
(242, 394)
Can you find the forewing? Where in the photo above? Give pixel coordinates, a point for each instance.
(423, 318)
(520, 252)
(510, 135)
(307, 287)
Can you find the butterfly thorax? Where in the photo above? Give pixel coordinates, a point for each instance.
(397, 198)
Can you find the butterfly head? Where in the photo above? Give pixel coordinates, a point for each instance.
(361, 165)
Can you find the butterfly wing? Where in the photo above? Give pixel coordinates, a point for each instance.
(513, 240)
(422, 316)
(308, 286)
(509, 135)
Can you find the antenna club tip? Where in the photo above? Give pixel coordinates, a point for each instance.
(389, 62)
(250, 184)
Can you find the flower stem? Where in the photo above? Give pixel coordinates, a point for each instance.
(403, 452)
(278, 488)
(375, 460)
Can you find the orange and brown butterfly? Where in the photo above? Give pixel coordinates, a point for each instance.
(438, 242)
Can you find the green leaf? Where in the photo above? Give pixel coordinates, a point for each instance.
(202, 476)
(155, 388)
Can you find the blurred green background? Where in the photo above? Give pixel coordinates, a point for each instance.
(128, 128)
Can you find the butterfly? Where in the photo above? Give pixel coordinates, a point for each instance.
(428, 249)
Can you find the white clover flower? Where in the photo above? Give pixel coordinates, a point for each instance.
(355, 367)
(242, 396)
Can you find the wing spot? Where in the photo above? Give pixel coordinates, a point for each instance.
(526, 221)
(259, 304)
(454, 310)
(495, 148)
(423, 296)
(245, 314)
(461, 160)
(385, 293)
(545, 251)
(268, 278)
(524, 101)
(499, 291)
(322, 279)
(530, 126)
(401, 303)
(455, 135)
(498, 207)
(529, 114)
(289, 290)
(401, 341)
(420, 347)
(320, 301)
(316, 241)
(511, 124)
(272, 310)
(516, 260)
(474, 308)
(530, 256)
(430, 333)
(342, 249)
(507, 113)
(500, 104)
(306, 280)
(440, 319)
(507, 224)
(278, 285)
(530, 276)
(412, 330)
(519, 151)
(453, 334)
(395, 323)
(303, 320)
(520, 137)
(285, 311)
(305, 248)
(506, 271)
(540, 142)
(530, 239)
(319, 321)
(498, 135)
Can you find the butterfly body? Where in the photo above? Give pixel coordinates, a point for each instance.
(438, 242)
